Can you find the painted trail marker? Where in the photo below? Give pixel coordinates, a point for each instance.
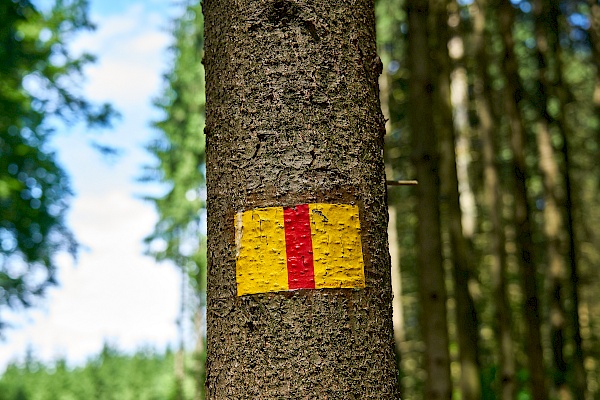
(308, 246)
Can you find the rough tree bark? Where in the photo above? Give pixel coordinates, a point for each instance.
(425, 157)
(292, 118)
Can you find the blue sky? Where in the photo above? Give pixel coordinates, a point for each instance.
(112, 293)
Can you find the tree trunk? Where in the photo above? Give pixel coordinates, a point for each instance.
(466, 315)
(493, 194)
(564, 96)
(432, 289)
(397, 315)
(580, 380)
(459, 88)
(553, 221)
(553, 227)
(594, 32)
(296, 190)
(513, 94)
(393, 201)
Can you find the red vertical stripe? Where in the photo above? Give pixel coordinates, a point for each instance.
(298, 246)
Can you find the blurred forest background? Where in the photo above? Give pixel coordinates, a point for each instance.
(493, 105)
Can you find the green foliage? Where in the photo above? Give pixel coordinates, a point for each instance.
(38, 84)
(111, 375)
(179, 150)
(180, 153)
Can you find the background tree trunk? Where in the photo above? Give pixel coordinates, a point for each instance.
(432, 286)
(594, 32)
(293, 117)
(466, 315)
(565, 96)
(513, 94)
(488, 123)
(553, 219)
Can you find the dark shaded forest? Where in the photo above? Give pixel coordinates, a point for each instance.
(501, 100)
(493, 106)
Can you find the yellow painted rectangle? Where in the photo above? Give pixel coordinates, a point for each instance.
(337, 247)
(261, 264)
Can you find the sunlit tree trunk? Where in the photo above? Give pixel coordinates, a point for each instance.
(294, 127)
(425, 156)
(513, 94)
(398, 316)
(493, 194)
(459, 88)
(466, 315)
(393, 204)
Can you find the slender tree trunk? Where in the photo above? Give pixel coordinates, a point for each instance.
(513, 94)
(594, 32)
(553, 221)
(466, 316)
(460, 103)
(393, 201)
(564, 96)
(432, 289)
(398, 316)
(547, 34)
(493, 194)
(580, 381)
(580, 384)
(295, 133)
(553, 228)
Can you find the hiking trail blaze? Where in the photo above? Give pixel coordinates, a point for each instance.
(308, 246)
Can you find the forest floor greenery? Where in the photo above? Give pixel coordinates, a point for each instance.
(112, 374)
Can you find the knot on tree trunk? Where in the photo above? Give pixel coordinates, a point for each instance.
(284, 14)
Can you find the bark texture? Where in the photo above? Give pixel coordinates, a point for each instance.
(293, 117)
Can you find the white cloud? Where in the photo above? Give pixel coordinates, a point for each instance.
(112, 293)
(131, 48)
